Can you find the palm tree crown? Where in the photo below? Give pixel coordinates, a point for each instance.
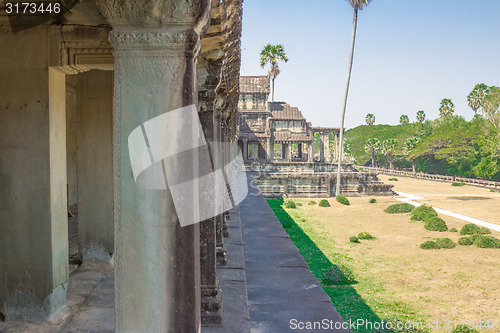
(446, 108)
(273, 54)
(476, 96)
(359, 4)
(420, 116)
(370, 119)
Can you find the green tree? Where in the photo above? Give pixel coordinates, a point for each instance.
(388, 149)
(476, 96)
(420, 116)
(404, 119)
(273, 54)
(356, 5)
(372, 146)
(370, 119)
(446, 108)
(410, 144)
(491, 104)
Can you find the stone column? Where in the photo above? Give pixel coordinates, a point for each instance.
(245, 149)
(157, 266)
(321, 147)
(300, 150)
(268, 150)
(271, 150)
(327, 147)
(337, 148)
(310, 158)
(289, 152)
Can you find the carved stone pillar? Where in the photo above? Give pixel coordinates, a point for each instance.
(288, 152)
(245, 149)
(157, 261)
(310, 154)
(268, 150)
(321, 147)
(326, 143)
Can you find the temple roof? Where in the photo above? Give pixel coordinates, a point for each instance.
(287, 135)
(254, 84)
(284, 111)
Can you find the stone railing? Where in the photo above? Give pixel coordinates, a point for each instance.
(444, 178)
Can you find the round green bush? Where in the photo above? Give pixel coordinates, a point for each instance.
(429, 245)
(393, 179)
(453, 230)
(312, 202)
(290, 204)
(298, 204)
(422, 212)
(354, 239)
(445, 243)
(435, 223)
(372, 200)
(465, 241)
(458, 184)
(324, 203)
(487, 242)
(343, 200)
(474, 229)
(464, 329)
(365, 235)
(399, 208)
(338, 275)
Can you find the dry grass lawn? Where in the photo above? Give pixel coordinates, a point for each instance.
(393, 273)
(467, 200)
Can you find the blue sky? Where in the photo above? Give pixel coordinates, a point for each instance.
(408, 56)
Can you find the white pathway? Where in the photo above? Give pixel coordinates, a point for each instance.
(410, 197)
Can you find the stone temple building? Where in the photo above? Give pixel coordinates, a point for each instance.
(268, 130)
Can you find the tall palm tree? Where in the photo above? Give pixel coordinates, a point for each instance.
(420, 116)
(404, 119)
(370, 119)
(273, 54)
(446, 108)
(410, 144)
(388, 148)
(372, 146)
(476, 96)
(357, 5)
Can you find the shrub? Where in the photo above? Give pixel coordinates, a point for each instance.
(453, 230)
(393, 179)
(445, 243)
(474, 229)
(354, 239)
(458, 184)
(298, 204)
(343, 200)
(487, 242)
(324, 203)
(435, 223)
(465, 241)
(312, 202)
(372, 200)
(464, 329)
(338, 275)
(399, 208)
(429, 245)
(290, 204)
(492, 190)
(422, 212)
(365, 235)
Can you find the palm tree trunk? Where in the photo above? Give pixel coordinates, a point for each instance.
(341, 137)
(413, 165)
(373, 158)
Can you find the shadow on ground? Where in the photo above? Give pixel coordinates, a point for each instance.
(345, 298)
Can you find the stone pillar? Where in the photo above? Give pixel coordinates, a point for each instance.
(321, 147)
(289, 152)
(271, 150)
(268, 150)
(300, 150)
(326, 142)
(157, 266)
(245, 149)
(95, 164)
(33, 217)
(337, 148)
(310, 157)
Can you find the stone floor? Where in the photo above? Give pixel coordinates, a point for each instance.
(265, 285)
